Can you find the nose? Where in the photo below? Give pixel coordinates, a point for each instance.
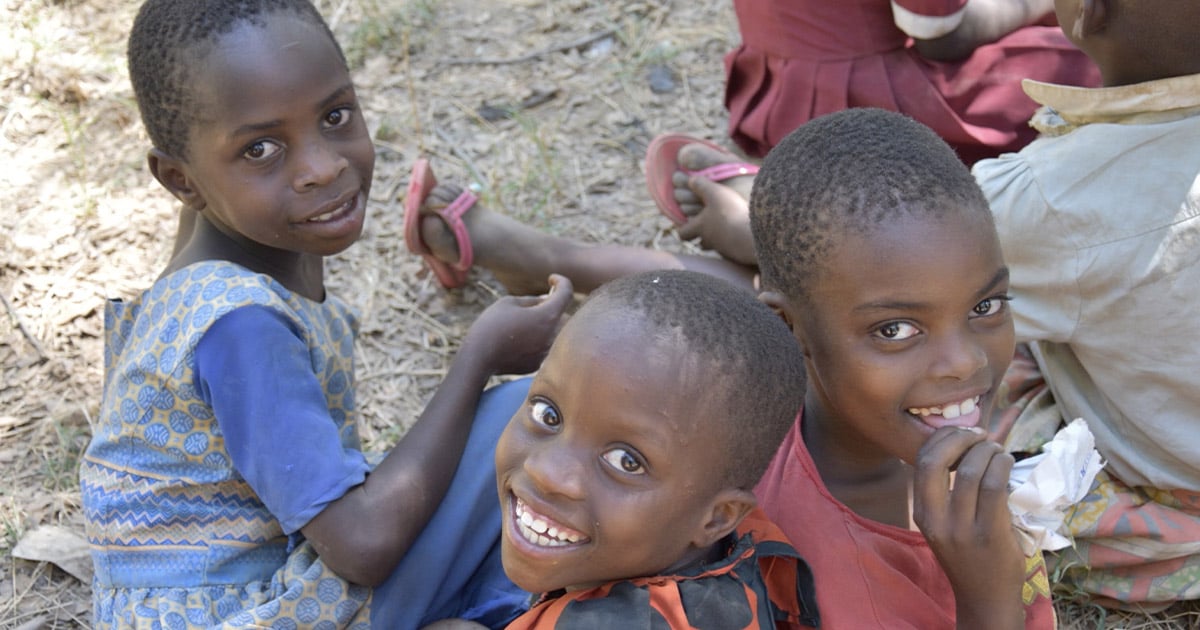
(960, 356)
(319, 164)
(556, 468)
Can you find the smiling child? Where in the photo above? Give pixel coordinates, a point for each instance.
(224, 485)
(625, 480)
(877, 246)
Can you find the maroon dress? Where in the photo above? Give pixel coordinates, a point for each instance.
(800, 59)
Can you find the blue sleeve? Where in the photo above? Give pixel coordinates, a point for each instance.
(254, 370)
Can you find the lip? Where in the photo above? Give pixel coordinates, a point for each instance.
(342, 207)
(513, 528)
(964, 419)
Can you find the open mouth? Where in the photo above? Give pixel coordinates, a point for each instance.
(541, 530)
(961, 413)
(337, 213)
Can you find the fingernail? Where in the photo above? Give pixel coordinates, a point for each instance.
(976, 430)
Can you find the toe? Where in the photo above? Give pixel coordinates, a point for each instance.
(696, 156)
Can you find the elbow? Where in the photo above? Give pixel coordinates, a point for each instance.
(364, 562)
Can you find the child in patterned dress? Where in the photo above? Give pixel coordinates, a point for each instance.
(224, 484)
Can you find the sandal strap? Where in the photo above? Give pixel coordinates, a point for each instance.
(452, 215)
(727, 170)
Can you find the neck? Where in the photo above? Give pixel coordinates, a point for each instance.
(300, 273)
(868, 480)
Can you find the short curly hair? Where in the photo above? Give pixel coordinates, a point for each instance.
(167, 38)
(755, 361)
(849, 171)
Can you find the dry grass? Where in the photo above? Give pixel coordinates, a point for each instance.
(84, 220)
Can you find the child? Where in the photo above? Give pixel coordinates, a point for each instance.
(1100, 220)
(954, 65)
(1087, 274)
(877, 246)
(626, 476)
(224, 484)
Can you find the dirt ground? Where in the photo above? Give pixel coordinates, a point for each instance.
(547, 105)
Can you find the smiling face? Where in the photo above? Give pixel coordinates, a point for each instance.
(281, 159)
(903, 339)
(607, 471)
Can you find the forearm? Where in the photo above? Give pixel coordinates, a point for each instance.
(984, 21)
(364, 534)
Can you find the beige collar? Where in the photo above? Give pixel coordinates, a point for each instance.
(1067, 107)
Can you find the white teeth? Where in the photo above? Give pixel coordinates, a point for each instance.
(539, 532)
(332, 213)
(950, 411)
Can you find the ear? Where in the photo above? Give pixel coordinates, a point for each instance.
(730, 506)
(779, 304)
(171, 172)
(1092, 18)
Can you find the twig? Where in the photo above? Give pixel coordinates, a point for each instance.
(412, 91)
(578, 43)
(16, 318)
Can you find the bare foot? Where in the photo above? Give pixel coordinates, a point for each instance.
(719, 212)
(515, 253)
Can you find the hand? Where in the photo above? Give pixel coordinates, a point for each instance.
(513, 335)
(969, 527)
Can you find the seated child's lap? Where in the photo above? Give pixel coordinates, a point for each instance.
(1134, 544)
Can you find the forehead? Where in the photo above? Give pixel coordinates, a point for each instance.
(912, 254)
(260, 65)
(618, 359)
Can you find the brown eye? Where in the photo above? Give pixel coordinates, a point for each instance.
(260, 150)
(338, 117)
(544, 413)
(623, 460)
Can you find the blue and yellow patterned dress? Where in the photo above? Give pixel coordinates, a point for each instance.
(180, 538)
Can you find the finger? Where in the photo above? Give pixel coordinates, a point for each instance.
(968, 480)
(561, 292)
(935, 460)
(691, 229)
(711, 193)
(993, 492)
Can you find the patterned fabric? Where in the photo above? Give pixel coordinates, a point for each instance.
(1135, 544)
(760, 583)
(179, 539)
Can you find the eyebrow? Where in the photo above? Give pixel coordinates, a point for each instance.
(270, 124)
(1000, 276)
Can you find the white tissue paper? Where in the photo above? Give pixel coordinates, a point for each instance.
(1042, 487)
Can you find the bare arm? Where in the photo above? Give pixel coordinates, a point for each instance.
(363, 535)
(984, 21)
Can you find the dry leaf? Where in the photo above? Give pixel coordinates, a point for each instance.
(59, 545)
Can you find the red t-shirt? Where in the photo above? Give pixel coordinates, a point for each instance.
(868, 574)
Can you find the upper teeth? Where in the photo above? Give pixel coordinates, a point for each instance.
(539, 532)
(948, 412)
(329, 215)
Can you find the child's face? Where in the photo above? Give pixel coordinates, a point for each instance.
(281, 158)
(908, 329)
(606, 472)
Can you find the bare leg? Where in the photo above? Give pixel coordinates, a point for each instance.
(719, 211)
(521, 257)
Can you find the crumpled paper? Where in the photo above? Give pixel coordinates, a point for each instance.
(1043, 487)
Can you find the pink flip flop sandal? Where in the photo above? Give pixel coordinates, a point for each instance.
(662, 160)
(450, 275)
